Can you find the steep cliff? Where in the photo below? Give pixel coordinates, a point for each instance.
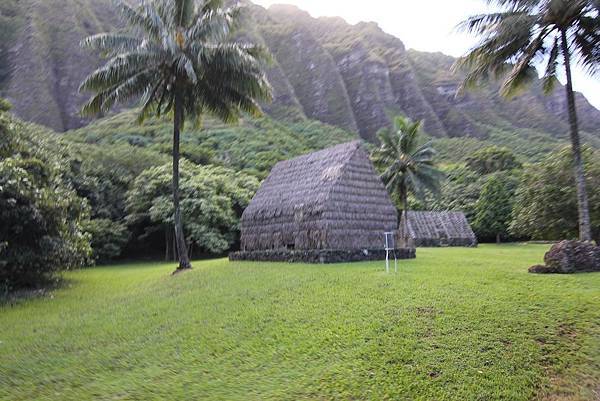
(351, 76)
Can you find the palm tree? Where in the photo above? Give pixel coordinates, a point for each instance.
(408, 167)
(523, 32)
(178, 59)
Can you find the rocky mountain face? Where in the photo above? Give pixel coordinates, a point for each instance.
(351, 76)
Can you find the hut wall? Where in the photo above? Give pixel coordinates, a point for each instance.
(358, 208)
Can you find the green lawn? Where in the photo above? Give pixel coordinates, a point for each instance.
(454, 324)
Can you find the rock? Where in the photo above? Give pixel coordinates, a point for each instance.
(542, 269)
(570, 257)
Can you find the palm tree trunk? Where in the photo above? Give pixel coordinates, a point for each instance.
(405, 218)
(585, 233)
(184, 261)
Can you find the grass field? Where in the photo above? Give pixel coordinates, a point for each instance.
(454, 324)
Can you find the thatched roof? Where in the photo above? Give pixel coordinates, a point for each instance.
(313, 201)
(439, 228)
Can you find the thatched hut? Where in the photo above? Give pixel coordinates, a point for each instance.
(325, 206)
(438, 229)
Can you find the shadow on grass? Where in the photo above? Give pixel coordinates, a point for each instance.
(46, 289)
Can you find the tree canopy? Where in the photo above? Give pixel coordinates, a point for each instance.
(407, 165)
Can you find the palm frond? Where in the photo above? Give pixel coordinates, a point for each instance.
(406, 165)
(549, 80)
(527, 5)
(111, 43)
(178, 47)
(523, 72)
(503, 42)
(149, 101)
(143, 17)
(512, 38)
(215, 25)
(587, 41)
(117, 70)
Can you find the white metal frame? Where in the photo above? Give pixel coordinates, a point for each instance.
(390, 246)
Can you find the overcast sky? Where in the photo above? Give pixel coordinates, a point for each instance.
(421, 25)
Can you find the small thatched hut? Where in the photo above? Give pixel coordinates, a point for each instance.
(438, 229)
(325, 206)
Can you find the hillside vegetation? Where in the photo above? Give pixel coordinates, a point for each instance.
(254, 145)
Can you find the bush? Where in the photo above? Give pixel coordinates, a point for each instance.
(494, 207)
(212, 201)
(40, 224)
(40, 215)
(107, 239)
(546, 199)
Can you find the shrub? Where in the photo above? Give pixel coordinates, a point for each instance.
(107, 239)
(40, 215)
(546, 199)
(40, 224)
(494, 207)
(212, 200)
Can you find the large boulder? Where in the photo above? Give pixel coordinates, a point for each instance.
(570, 257)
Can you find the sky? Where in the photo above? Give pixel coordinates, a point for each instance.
(422, 25)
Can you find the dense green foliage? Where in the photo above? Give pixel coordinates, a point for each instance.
(212, 201)
(253, 145)
(537, 201)
(453, 324)
(107, 238)
(492, 159)
(493, 210)
(111, 153)
(41, 217)
(546, 202)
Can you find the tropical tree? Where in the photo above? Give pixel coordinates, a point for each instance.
(212, 201)
(517, 37)
(178, 58)
(407, 165)
(494, 206)
(545, 206)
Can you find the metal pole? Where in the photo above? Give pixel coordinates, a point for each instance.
(387, 261)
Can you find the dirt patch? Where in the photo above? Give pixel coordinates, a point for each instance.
(567, 330)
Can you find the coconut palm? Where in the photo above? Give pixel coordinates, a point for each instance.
(524, 32)
(407, 166)
(179, 60)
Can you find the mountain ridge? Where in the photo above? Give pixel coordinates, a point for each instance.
(351, 76)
